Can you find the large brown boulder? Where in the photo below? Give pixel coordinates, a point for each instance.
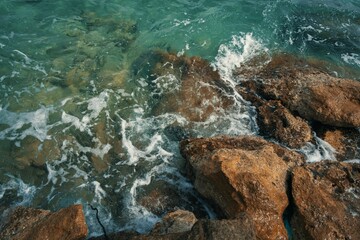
(310, 92)
(327, 201)
(243, 174)
(27, 223)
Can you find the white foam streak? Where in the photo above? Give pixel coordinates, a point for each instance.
(56, 173)
(353, 161)
(37, 120)
(140, 216)
(51, 174)
(151, 150)
(351, 58)
(240, 118)
(319, 151)
(99, 191)
(154, 142)
(95, 106)
(25, 191)
(26, 58)
(131, 149)
(63, 102)
(81, 125)
(353, 192)
(80, 173)
(167, 83)
(101, 150)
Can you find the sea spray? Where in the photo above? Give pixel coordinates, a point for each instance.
(235, 54)
(319, 151)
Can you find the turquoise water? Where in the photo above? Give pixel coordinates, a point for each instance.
(76, 118)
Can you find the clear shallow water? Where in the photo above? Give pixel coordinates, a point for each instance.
(76, 122)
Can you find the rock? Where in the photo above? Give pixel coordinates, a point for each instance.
(177, 133)
(326, 196)
(312, 93)
(185, 85)
(95, 55)
(241, 228)
(137, 236)
(238, 229)
(243, 174)
(27, 223)
(276, 121)
(32, 151)
(161, 197)
(20, 218)
(175, 222)
(106, 139)
(346, 141)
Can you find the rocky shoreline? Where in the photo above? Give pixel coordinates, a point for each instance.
(262, 187)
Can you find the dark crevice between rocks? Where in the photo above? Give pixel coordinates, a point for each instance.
(100, 223)
(290, 209)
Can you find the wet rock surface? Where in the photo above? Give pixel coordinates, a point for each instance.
(240, 228)
(327, 201)
(162, 198)
(274, 120)
(308, 91)
(278, 122)
(175, 222)
(244, 174)
(27, 223)
(346, 141)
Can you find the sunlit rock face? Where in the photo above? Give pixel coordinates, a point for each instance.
(308, 91)
(243, 174)
(28, 223)
(326, 201)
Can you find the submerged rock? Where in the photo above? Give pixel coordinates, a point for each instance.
(185, 85)
(94, 56)
(310, 92)
(27, 223)
(326, 196)
(32, 152)
(240, 229)
(161, 197)
(243, 174)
